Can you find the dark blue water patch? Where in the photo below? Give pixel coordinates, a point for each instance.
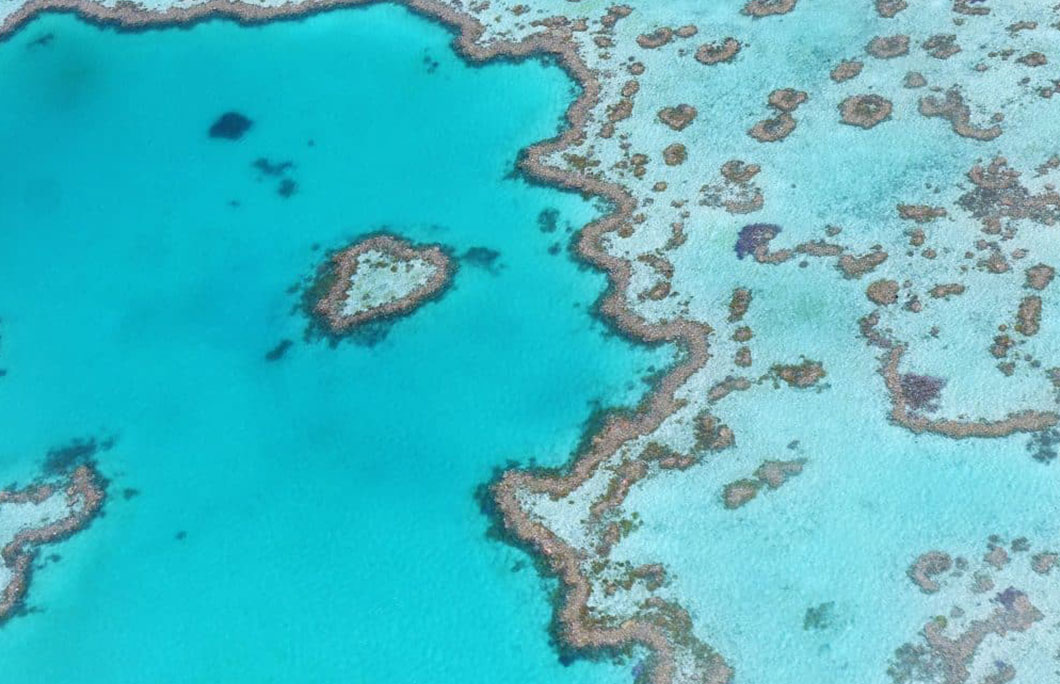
(278, 352)
(230, 126)
(277, 169)
(548, 220)
(484, 258)
(430, 62)
(63, 459)
(271, 168)
(287, 188)
(753, 236)
(41, 41)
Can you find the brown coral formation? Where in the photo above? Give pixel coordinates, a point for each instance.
(675, 154)
(736, 494)
(999, 199)
(770, 474)
(736, 193)
(774, 129)
(1043, 563)
(1003, 206)
(738, 171)
(1039, 276)
(1013, 612)
(997, 557)
(972, 8)
(953, 109)
(921, 213)
(864, 110)
(768, 8)
(1029, 316)
(727, 386)
(882, 292)
(627, 474)
(1033, 59)
(857, 266)
(739, 304)
(952, 659)
(914, 79)
(787, 99)
(846, 70)
(784, 101)
(717, 53)
(941, 46)
(903, 411)
(662, 628)
(888, 47)
(775, 473)
(343, 265)
(655, 39)
(948, 648)
(678, 117)
(890, 8)
(800, 375)
(712, 435)
(945, 290)
(665, 271)
(926, 566)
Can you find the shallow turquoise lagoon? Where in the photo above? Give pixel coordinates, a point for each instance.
(311, 518)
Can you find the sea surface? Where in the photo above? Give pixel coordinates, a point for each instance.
(310, 518)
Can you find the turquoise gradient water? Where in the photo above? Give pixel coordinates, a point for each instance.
(313, 518)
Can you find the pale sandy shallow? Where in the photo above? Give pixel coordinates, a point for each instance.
(832, 177)
(18, 517)
(381, 279)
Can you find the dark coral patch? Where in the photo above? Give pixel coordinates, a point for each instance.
(753, 236)
(287, 188)
(278, 352)
(42, 41)
(1043, 445)
(270, 168)
(64, 459)
(548, 220)
(921, 392)
(483, 257)
(230, 126)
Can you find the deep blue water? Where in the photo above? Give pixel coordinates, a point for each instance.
(311, 518)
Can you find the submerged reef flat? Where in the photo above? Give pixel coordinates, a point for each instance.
(886, 206)
(379, 277)
(41, 514)
(998, 605)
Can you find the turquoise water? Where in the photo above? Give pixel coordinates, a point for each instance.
(311, 518)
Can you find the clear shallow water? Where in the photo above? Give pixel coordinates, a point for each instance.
(326, 498)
